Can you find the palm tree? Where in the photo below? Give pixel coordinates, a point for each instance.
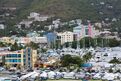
(115, 61)
(87, 57)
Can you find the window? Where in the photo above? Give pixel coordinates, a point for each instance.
(13, 55)
(19, 60)
(86, 31)
(29, 59)
(19, 55)
(14, 60)
(24, 60)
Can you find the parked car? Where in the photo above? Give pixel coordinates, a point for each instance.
(70, 75)
(2, 69)
(51, 75)
(79, 75)
(15, 78)
(97, 76)
(43, 76)
(59, 75)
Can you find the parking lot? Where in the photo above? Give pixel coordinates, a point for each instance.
(72, 80)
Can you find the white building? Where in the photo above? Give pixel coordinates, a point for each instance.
(40, 40)
(2, 26)
(23, 40)
(27, 23)
(33, 15)
(66, 37)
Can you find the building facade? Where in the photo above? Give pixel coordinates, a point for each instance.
(82, 31)
(66, 37)
(14, 58)
(25, 58)
(39, 40)
(30, 57)
(51, 38)
(23, 40)
(7, 40)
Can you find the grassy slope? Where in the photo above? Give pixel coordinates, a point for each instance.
(67, 9)
(64, 8)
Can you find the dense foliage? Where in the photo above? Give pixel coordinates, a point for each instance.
(95, 10)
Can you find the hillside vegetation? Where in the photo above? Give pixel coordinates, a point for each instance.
(65, 9)
(94, 10)
(68, 9)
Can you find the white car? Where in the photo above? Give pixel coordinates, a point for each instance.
(70, 75)
(44, 75)
(51, 75)
(2, 69)
(59, 75)
(97, 76)
(79, 75)
(108, 76)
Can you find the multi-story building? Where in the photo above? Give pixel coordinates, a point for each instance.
(51, 38)
(14, 58)
(23, 40)
(82, 31)
(33, 34)
(39, 40)
(3, 50)
(66, 37)
(30, 57)
(2, 60)
(25, 58)
(7, 40)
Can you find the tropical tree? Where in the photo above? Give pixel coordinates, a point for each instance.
(2, 44)
(66, 44)
(113, 43)
(74, 44)
(15, 47)
(68, 60)
(87, 57)
(33, 45)
(115, 61)
(77, 61)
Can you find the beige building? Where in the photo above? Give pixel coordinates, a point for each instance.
(66, 37)
(25, 58)
(7, 40)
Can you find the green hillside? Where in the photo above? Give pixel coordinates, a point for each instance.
(64, 8)
(67, 9)
(94, 10)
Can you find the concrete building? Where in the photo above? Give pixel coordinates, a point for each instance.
(39, 40)
(2, 26)
(51, 38)
(33, 15)
(25, 58)
(26, 23)
(7, 40)
(33, 34)
(82, 31)
(23, 40)
(66, 37)
(14, 58)
(30, 57)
